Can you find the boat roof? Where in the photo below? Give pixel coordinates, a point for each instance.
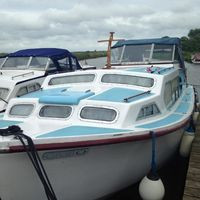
(53, 53)
(163, 40)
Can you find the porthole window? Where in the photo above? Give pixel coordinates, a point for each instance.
(97, 113)
(147, 111)
(55, 111)
(22, 110)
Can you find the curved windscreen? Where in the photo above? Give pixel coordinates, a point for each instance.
(20, 63)
(16, 63)
(142, 53)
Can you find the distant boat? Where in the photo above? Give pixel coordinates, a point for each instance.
(195, 58)
(23, 71)
(94, 130)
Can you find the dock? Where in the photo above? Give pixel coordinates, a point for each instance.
(192, 183)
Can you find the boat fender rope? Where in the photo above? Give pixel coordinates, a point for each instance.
(191, 127)
(153, 172)
(33, 155)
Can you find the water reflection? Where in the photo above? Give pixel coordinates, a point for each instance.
(97, 62)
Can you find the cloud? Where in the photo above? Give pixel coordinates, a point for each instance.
(77, 25)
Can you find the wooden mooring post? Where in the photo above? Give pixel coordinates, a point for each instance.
(192, 184)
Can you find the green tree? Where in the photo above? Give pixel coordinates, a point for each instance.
(191, 43)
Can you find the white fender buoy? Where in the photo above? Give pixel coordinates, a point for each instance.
(195, 117)
(186, 143)
(151, 188)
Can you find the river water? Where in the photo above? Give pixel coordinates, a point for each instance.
(193, 76)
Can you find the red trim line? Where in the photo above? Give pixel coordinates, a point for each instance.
(65, 145)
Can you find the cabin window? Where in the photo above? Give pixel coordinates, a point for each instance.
(55, 111)
(162, 52)
(172, 91)
(97, 113)
(168, 93)
(16, 62)
(64, 63)
(136, 53)
(85, 78)
(116, 54)
(22, 110)
(128, 80)
(51, 65)
(147, 111)
(74, 63)
(4, 93)
(38, 63)
(27, 89)
(175, 89)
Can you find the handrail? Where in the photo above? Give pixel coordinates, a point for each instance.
(147, 92)
(22, 75)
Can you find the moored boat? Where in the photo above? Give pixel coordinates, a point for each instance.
(23, 71)
(92, 128)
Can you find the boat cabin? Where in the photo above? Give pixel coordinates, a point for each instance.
(120, 99)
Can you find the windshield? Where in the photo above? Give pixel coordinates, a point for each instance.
(142, 53)
(1, 61)
(38, 63)
(20, 63)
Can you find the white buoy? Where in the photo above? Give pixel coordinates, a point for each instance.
(186, 143)
(151, 189)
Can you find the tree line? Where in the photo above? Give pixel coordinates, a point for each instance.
(191, 43)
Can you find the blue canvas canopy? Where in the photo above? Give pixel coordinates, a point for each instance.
(164, 40)
(54, 54)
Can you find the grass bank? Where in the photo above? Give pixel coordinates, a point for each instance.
(82, 55)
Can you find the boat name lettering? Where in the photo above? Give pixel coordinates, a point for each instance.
(64, 154)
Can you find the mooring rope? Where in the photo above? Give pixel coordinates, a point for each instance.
(153, 155)
(33, 156)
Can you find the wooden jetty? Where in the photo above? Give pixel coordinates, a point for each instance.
(192, 184)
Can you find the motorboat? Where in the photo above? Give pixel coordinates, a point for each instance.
(92, 130)
(23, 71)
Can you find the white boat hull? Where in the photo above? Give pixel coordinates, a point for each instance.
(83, 173)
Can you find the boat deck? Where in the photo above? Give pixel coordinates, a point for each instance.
(192, 184)
(80, 130)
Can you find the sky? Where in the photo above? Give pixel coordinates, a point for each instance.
(77, 25)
